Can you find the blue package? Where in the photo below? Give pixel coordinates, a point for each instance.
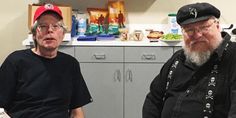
(105, 37)
(86, 38)
(74, 27)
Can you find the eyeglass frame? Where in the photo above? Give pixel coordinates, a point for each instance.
(45, 27)
(203, 29)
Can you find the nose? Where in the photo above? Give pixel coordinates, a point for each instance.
(50, 28)
(197, 33)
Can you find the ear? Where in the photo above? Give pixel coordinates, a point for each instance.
(34, 27)
(34, 37)
(218, 25)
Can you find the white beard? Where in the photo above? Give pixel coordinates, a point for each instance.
(201, 57)
(197, 58)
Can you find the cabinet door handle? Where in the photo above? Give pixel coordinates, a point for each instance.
(129, 75)
(149, 56)
(117, 76)
(100, 56)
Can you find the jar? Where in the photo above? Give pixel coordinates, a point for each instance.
(137, 35)
(82, 23)
(173, 25)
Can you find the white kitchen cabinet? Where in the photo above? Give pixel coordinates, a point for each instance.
(67, 49)
(137, 81)
(102, 68)
(104, 81)
(119, 78)
(142, 64)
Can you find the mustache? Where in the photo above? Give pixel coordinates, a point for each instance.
(198, 40)
(49, 36)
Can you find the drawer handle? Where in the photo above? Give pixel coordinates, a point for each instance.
(149, 56)
(100, 56)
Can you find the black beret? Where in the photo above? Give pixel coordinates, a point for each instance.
(192, 13)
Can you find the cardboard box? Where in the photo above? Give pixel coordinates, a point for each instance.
(66, 12)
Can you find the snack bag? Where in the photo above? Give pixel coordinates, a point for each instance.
(98, 20)
(116, 16)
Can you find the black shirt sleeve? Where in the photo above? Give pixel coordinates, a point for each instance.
(8, 75)
(80, 92)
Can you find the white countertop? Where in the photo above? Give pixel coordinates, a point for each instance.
(117, 42)
(67, 41)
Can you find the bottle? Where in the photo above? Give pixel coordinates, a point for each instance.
(174, 27)
(82, 23)
(74, 23)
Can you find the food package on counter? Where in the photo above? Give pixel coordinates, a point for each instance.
(155, 35)
(86, 38)
(105, 37)
(117, 16)
(98, 21)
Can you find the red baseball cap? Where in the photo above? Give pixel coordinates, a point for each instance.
(47, 7)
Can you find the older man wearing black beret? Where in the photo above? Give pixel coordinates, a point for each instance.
(198, 81)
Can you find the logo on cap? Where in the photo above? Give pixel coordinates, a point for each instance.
(193, 11)
(48, 6)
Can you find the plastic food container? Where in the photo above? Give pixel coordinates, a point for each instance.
(173, 25)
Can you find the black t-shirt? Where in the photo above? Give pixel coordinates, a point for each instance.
(32, 86)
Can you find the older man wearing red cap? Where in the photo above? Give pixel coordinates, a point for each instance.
(42, 82)
(198, 81)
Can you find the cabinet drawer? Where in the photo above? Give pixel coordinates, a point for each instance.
(67, 50)
(177, 48)
(148, 54)
(99, 54)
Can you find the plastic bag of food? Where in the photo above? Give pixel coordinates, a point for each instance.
(3, 114)
(98, 20)
(117, 17)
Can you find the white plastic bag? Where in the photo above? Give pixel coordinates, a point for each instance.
(3, 114)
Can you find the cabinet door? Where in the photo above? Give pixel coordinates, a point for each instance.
(105, 83)
(138, 77)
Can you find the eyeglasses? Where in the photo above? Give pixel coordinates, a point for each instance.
(45, 27)
(203, 29)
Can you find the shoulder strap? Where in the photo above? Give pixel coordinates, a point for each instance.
(169, 77)
(211, 89)
(176, 58)
(210, 92)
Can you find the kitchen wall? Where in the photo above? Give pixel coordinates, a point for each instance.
(14, 16)
(155, 11)
(13, 25)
